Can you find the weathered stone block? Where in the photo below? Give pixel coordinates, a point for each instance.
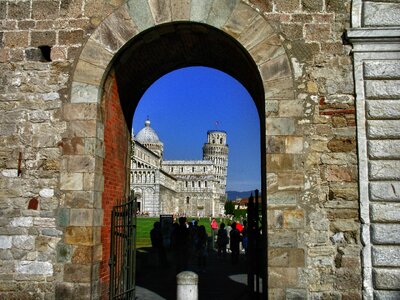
(293, 219)
(386, 256)
(275, 68)
(241, 16)
(81, 217)
(282, 162)
(286, 6)
(79, 236)
(44, 222)
(81, 163)
(280, 126)
(22, 222)
(24, 242)
(382, 89)
(291, 108)
(296, 294)
(383, 128)
(5, 242)
(339, 158)
(19, 10)
(317, 32)
(219, 13)
(9, 173)
(383, 109)
(382, 69)
(64, 252)
(255, 33)
(282, 277)
(386, 295)
(275, 144)
(80, 111)
(282, 238)
(286, 257)
(84, 93)
(45, 10)
(141, 14)
(384, 169)
(71, 181)
(43, 38)
(342, 144)
(381, 14)
(385, 191)
(290, 181)
(82, 255)
(384, 149)
(70, 37)
(16, 39)
(340, 173)
(386, 279)
(66, 290)
(88, 73)
(294, 144)
(34, 267)
(385, 212)
(282, 198)
(348, 278)
(382, 234)
(279, 89)
(82, 128)
(77, 273)
(161, 11)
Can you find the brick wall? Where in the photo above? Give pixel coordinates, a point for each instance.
(116, 139)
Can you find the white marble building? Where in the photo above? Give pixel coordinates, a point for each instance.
(181, 187)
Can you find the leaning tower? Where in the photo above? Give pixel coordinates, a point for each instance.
(216, 150)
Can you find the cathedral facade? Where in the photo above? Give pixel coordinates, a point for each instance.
(179, 187)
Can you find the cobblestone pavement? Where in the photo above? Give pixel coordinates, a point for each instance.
(219, 280)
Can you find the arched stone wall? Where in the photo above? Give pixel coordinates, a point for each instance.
(283, 134)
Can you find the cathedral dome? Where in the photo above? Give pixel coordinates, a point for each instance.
(147, 135)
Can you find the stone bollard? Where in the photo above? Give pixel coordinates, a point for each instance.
(187, 286)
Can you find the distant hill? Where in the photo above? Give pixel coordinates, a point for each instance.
(233, 195)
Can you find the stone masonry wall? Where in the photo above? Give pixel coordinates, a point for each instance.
(377, 72)
(52, 151)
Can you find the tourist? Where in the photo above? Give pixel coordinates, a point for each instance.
(222, 240)
(157, 244)
(201, 248)
(181, 245)
(234, 244)
(214, 231)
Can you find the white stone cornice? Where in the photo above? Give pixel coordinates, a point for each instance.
(374, 39)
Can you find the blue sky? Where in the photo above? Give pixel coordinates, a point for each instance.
(184, 104)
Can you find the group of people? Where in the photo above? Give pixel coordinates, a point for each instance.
(232, 237)
(188, 240)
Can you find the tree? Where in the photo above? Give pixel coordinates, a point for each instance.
(229, 208)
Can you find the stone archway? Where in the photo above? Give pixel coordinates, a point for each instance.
(103, 84)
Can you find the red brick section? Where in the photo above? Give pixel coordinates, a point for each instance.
(116, 136)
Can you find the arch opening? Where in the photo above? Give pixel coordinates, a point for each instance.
(165, 48)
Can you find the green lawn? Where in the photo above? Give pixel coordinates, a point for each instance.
(145, 224)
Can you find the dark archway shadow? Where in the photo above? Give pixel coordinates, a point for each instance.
(220, 279)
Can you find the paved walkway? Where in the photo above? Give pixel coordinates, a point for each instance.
(220, 280)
